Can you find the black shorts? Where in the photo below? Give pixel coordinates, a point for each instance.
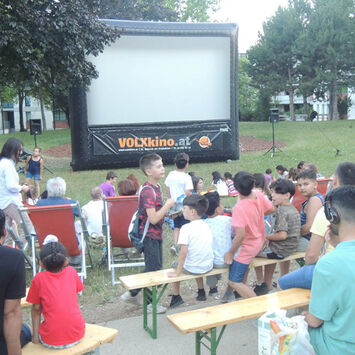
(180, 221)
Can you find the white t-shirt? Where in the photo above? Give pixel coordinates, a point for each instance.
(198, 238)
(93, 209)
(9, 184)
(222, 233)
(178, 182)
(221, 188)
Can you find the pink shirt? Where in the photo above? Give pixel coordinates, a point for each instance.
(249, 214)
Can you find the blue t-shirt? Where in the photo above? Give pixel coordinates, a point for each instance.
(222, 237)
(333, 301)
(53, 201)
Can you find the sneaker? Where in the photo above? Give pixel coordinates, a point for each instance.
(173, 250)
(176, 300)
(201, 295)
(261, 289)
(127, 297)
(228, 297)
(213, 291)
(160, 309)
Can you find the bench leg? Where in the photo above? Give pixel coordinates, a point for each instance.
(212, 339)
(155, 298)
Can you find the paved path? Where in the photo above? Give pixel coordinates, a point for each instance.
(239, 338)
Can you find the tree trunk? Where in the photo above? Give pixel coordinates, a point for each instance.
(292, 104)
(44, 122)
(21, 96)
(333, 101)
(305, 106)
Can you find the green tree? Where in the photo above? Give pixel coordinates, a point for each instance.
(248, 95)
(328, 46)
(274, 64)
(45, 44)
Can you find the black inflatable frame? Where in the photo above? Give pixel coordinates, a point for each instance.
(121, 145)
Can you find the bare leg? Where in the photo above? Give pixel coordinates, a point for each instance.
(284, 267)
(259, 274)
(176, 288)
(244, 290)
(269, 272)
(27, 181)
(38, 190)
(199, 282)
(176, 235)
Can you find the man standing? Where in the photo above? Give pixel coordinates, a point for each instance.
(12, 289)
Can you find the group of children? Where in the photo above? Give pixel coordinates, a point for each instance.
(206, 239)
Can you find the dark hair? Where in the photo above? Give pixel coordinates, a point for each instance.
(197, 202)
(111, 175)
(346, 173)
(126, 188)
(300, 164)
(280, 167)
(268, 171)
(53, 256)
(146, 161)
(283, 186)
(292, 174)
(2, 223)
(228, 175)
(214, 200)
(307, 174)
(216, 176)
(195, 179)
(12, 149)
(244, 182)
(181, 160)
(260, 182)
(135, 181)
(343, 200)
(40, 149)
(312, 167)
(44, 194)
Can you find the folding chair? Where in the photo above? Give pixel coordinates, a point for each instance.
(57, 220)
(117, 215)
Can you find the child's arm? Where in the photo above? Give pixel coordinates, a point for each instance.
(156, 216)
(280, 235)
(181, 261)
(313, 206)
(237, 242)
(314, 249)
(36, 321)
(168, 194)
(26, 164)
(312, 320)
(270, 211)
(41, 168)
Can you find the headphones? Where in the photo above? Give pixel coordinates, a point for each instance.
(331, 213)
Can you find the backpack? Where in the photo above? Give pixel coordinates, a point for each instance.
(134, 236)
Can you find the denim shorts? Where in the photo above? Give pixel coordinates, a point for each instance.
(237, 271)
(35, 176)
(301, 278)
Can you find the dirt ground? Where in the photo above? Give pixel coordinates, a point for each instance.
(97, 313)
(247, 144)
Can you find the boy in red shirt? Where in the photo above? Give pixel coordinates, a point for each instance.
(248, 223)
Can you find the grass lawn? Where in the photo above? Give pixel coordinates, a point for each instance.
(310, 141)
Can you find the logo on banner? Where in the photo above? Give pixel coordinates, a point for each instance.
(204, 142)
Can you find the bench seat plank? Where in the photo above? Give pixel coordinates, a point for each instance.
(265, 261)
(155, 278)
(210, 317)
(95, 336)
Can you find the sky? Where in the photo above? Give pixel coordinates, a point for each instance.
(249, 15)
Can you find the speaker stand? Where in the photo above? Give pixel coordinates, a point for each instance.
(273, 147)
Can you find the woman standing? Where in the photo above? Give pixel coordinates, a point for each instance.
(9, 184)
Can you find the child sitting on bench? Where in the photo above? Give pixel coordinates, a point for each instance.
(249, 228)
(195, 241)
(307, 185)
(222, 234)
(286, 232)
(53, 293)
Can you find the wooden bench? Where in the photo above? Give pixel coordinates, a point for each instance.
(159, 278)
(94, 337)
(204, 321)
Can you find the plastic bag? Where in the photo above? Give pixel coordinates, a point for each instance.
(280, 335)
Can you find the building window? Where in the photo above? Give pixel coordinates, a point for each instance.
(59, 116)
(27, 101)
(7, 105)
(28, 116)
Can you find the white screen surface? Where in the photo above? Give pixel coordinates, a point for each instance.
(152, 79)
